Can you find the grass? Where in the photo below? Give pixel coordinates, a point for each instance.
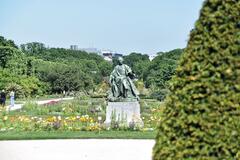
(12, 135)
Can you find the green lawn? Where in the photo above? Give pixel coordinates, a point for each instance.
(12, 135)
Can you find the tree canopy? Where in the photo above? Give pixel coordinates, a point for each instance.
(59, 69)
(200, 119)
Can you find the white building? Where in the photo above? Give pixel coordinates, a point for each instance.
(108, 55)
(151, 57)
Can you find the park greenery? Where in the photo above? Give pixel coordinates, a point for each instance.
(35, 70)
(82, 115)
(200, 85)
(200, 118)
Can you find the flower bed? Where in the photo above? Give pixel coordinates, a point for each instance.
(71, 116)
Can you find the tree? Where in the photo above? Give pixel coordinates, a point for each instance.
(12, 59)
(105, 68)
(138, 62)
(200, 119)
(23, 86)
(133, 58)
(159, 71)
(162, 68)
(7, 43)
(33, 48)
(56, 66)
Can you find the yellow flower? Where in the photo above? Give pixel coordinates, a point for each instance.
(26, 119)
(52, 119)
(5, 118)
(65, 123)
(73, 118)
(83, 119)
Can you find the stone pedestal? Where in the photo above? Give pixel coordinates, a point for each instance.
(126, 112)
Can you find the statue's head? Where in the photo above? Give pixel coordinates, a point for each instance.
(120, 60)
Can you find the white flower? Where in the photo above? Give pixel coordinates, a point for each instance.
(2, 129)
(99, 118)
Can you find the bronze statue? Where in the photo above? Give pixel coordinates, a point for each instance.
(122, 87)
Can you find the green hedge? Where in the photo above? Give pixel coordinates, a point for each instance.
(201, 116)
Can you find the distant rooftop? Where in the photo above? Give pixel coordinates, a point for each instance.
(107, 54)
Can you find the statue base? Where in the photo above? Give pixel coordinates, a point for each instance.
(123, 113)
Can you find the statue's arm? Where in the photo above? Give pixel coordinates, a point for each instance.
(128, 69)
(129, 72)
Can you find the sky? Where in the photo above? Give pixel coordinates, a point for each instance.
(124, 26)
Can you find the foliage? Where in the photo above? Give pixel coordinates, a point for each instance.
(12, 59)
(7, 43)
(62, 77)
(59, 69)
(201, 117)
(101, 90)
(160, 71)
(33, 48)
(65, 69)
(105, 68)
(160, 94)
(76, 115)
(23, 85)
(156, 73)
(137, 62)
(14, 71)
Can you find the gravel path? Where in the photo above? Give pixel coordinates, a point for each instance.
(40, 102)
(88, 149)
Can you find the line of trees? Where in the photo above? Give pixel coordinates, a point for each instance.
(155, 74)
(33, 69)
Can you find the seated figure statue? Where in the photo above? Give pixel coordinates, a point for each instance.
(122, 87)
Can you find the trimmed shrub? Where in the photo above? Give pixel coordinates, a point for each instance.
(201, 116)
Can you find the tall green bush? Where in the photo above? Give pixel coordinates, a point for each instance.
(201, 116)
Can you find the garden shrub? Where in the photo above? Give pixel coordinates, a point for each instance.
(201, 116)
(160, 94)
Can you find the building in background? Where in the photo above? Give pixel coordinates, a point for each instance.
(151, 57)
(108, 55)
(117, 55)
(74, 47)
